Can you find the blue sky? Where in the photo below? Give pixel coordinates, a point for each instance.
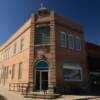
(13, 14)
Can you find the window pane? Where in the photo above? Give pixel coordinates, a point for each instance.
(70, 42)
(21, 44)
(77, 44)
(67, 40)
(13, 71)
(62, 39)
(20, 71)
(72, 74)
(7, 72)
(14, 49)
(1, 73)
(42, 35)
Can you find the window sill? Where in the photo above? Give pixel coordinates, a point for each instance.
(73, 80)
(42, 45)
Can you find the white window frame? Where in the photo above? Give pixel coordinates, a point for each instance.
(20, 71)
(77, 67)
(14, 48)
(70, 35)
(21, 44)
(63, 45)
(67, 40)
(13, 71)
(78, 49)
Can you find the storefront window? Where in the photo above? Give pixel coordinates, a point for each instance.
(72, 72)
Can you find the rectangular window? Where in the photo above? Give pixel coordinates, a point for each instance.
(13, 71)
(0, 73)
(42, 35)
(77, 44)
(63, 40)
(6, 54)
(7, 72)
(1, 56)
(72, 72)
(66, 40)
(20, 71)
(21, 44)
(4, 73)
(70, 42)
(14, 51)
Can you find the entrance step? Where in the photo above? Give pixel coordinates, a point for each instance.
(41, 95)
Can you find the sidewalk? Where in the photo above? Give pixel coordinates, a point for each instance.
(79, 97)
(9, 95)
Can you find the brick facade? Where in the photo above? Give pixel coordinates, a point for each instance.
(55, 55)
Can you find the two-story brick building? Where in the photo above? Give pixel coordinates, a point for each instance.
(48, 51)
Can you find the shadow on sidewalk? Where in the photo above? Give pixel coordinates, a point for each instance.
(2, 97)
(89, 98)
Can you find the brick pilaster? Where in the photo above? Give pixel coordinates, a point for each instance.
(52, 68)
(31, 55)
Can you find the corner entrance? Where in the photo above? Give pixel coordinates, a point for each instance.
(41, 75)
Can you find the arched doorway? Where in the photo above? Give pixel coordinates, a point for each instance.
(41, 75)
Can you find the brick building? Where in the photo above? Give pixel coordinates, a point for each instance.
(47, 51)
(93, 58)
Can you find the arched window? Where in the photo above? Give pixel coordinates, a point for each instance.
(41, 65)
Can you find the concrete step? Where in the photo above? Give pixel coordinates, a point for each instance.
(41, 95)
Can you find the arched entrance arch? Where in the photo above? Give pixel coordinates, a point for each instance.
(41, 67)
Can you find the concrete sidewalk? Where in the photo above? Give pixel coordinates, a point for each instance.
(9, 95)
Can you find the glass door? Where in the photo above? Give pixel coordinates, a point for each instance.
(44, 80)
(41, 80)
(37, 80)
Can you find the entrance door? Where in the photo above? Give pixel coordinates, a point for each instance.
(41, 75)
(41, 80)
(38, 80)
(44, 80)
